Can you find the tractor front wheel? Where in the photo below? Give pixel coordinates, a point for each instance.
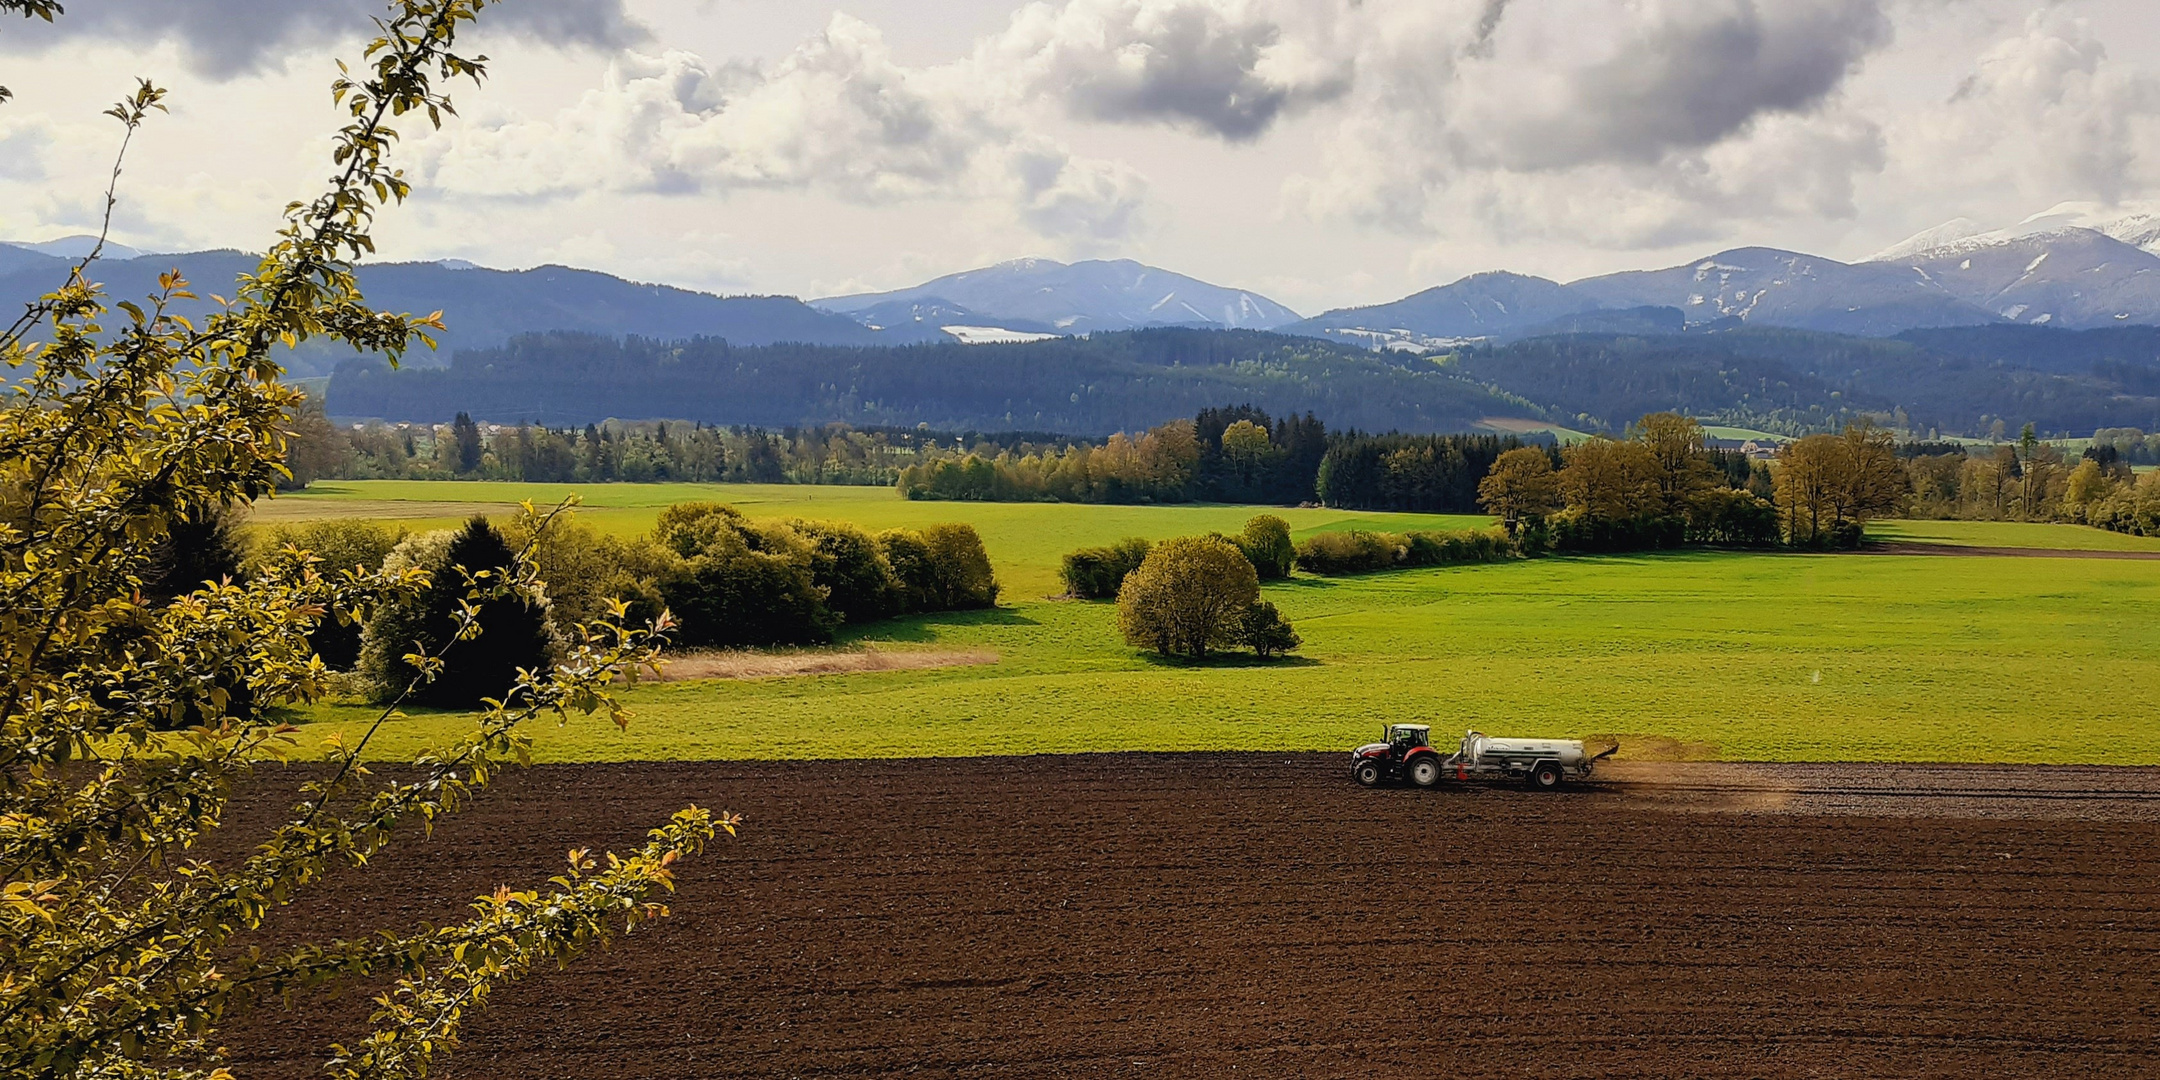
(1545, 777)
(1367, 773)
(1425, 771)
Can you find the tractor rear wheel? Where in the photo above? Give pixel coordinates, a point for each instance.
(1545, 777)
(1425, 771)
(1367, 773)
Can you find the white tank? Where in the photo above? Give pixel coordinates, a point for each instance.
(1479, 748)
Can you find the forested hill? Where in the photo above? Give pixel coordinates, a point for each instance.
(1080, 386)
(1958, 381)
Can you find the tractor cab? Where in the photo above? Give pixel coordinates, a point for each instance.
(1403, 738)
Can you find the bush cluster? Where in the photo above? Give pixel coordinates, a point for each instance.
(1360, 551)
(1096, 573)
(729, 581)
(1193, 595)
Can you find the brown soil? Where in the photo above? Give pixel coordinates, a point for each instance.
(1259, 915)
(1909, 548)
(754, 665)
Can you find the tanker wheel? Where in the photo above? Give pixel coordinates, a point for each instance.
(1545, 777)
(1425, 771)
(1368, 773)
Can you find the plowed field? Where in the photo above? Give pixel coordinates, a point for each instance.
(1258, 915)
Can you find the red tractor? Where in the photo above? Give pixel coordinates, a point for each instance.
(1407, 754)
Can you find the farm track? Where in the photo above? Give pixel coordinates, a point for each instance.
(1258, 914)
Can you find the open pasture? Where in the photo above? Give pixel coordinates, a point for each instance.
(1754, 656)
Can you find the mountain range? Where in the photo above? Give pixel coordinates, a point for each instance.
(1993, 316)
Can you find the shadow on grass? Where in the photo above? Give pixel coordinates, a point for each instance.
(1305, 581)
(930, 627)
(1229, 660)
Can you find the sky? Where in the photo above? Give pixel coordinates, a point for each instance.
(1322, 152)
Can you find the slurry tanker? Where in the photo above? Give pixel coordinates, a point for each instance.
(1407, 753)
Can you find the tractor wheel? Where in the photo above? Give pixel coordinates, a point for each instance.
(1425, 771)
(1367, 773)
(1545, 777)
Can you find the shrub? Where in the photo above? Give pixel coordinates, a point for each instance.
(1266, 544)
(847, 563)
(1096, 573)
(965, 579)
(1188, 597)
(1355, 552)
(1462, 546)
(341, 546)
(740, 583)
(1267, 632)
(1575, 531)
(941, 568)
(514, 629)
(1726, 516)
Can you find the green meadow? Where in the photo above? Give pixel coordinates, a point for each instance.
(1746, 656)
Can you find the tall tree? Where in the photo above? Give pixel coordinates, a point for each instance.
(466, 434)
(1678, 452)
(1520, 486)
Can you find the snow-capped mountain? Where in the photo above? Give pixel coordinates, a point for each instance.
(1766, 286)
(2073, 265)
(1078, 298)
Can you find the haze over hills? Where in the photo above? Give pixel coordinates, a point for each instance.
(1075, 298)
(483, 308)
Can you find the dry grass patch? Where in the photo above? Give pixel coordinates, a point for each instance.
(780, 665)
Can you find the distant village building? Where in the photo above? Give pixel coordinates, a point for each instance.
(1761, 449)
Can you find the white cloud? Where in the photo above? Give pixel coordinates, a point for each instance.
(2049, 111)
(837, 115)
(230, 38)
(1614, 124)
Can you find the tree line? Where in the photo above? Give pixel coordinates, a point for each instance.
(633, 452)
(1094, 385)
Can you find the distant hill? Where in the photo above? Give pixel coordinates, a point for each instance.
(483, 308)
(72, 247)
(1123, 381)
(1956, 379)
(1482, 305)
(1078, 298)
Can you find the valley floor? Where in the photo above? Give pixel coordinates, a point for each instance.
(1740, 656)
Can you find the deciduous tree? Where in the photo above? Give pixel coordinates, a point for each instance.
(1188, 598)
(1521, 486)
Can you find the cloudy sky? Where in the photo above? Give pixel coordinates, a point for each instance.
(1325, 152)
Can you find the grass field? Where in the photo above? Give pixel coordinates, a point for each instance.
(2010, 534)
(1764, 657)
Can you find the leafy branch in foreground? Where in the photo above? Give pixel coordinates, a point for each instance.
(122, 950)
